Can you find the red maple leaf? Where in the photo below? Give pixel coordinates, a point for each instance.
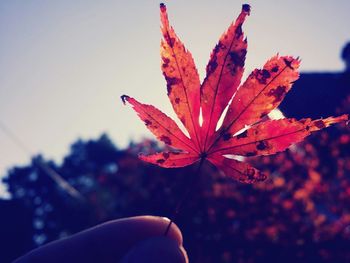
(245, 130)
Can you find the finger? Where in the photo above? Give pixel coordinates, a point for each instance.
(157, 249)
(107, 242)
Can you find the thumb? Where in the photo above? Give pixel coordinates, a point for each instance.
(157, 249)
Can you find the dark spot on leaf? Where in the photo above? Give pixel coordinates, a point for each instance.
(170, 82)
(265, 74)
(169, 40)
(320, 124)
(212, 65)
(165, 139)
(262, 145)
(250, 172)
(239, 31)
(218, 47)
(278, 93)
(254, 176)
(173, 80)
(288, 63)
(226, 136)
(261, 80)
(275, 69)
(262, 115)
(262, 75)
(307, 128)
(222, 46)
(242, 135)
(160, 161)
(166, 62)
(183, 120)
(237, 58)
(166, 155)
(249, 154)
(177, 100)
(148, 122)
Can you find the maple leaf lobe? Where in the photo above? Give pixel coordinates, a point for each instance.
(223, 75)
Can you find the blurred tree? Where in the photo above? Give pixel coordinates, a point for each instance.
(301, 214)
(319, 94)
(16, 230)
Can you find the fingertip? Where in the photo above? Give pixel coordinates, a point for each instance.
(157, 249)
(159, 224)
(174, 231)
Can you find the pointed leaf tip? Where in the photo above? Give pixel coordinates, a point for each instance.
(162, 7)
(124, 98)
(246, 8)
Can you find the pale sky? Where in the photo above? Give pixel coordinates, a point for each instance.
(64, 64)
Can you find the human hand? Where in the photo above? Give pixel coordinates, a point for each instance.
(128, 240)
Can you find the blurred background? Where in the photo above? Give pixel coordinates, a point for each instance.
(68, 147)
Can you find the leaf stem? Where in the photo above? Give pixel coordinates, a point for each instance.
(187, 194)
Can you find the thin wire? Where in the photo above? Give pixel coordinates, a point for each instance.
(56, 177)
(14, 138)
